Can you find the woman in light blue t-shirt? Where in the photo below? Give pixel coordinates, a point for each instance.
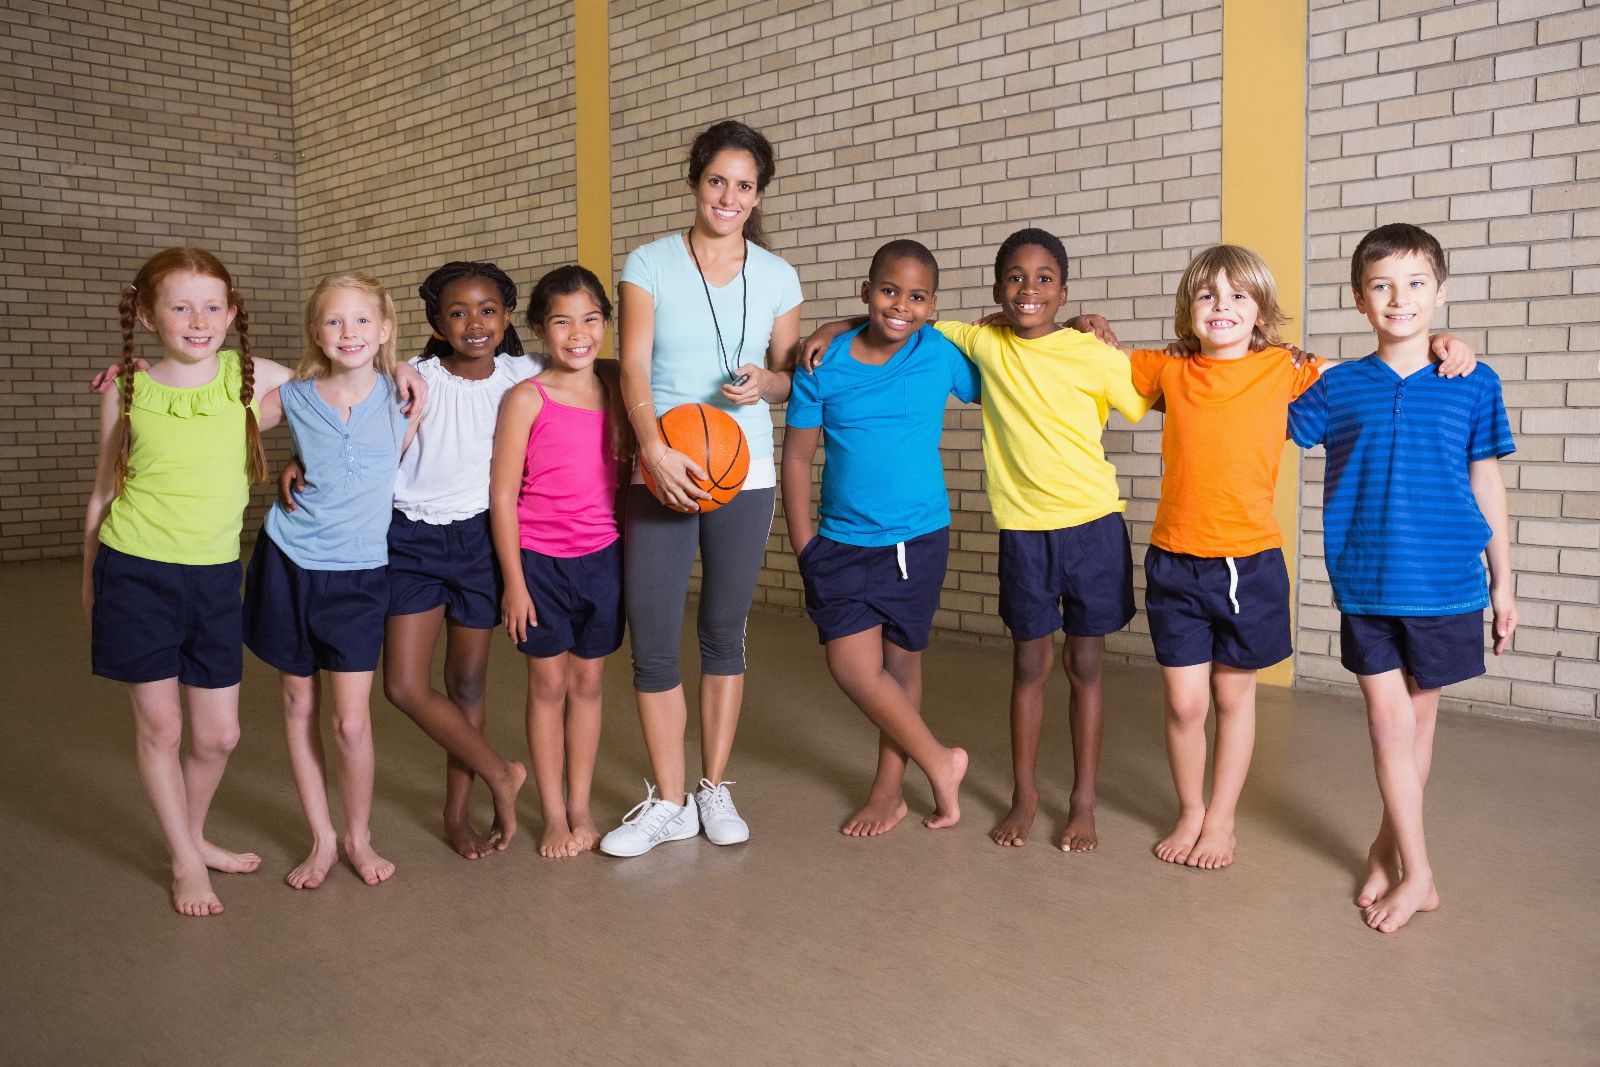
(707, 316)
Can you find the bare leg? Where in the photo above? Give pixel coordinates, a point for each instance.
(857, 664)
(1188, 700)
(585, 693)
(158, 723)
(886, 804)
(1392, 720)
(547, 699)
(407, 681)
(352, 734)
(466, 671)
(1030, 669)
(213, 735)
(1081, 658)
(664, 717)
(1235, 692)
(721, 696)
(302, 726)
(1383, 858)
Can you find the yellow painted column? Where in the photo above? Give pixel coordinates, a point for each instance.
(592, 150)
(1264, 188)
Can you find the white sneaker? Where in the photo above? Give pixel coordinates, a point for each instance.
(719, 816)
(651, 822)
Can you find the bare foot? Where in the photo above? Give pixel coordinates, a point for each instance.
(310, 874)
(467, 842)
(1383, 871)
(1397, 906)
(220, 859)
(372, 867)
(1175, 847)
(1214, 848)
(946, 790)
(192, 894)
(1079, 835)
(505, 806)
(556, 842)
(1013, 829)
(877, 816)
(585, 834)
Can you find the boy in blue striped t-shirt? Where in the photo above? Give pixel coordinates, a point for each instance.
(1412, 497)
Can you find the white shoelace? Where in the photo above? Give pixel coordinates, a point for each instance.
(719, 803)
(650, 814)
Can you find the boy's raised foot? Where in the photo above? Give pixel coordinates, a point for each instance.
(1176, 846)
(192, 893)
(468, 843)
(1383, 871)
(878, 815)
(315, 868)
(371, 867)
(556, 842)
(220, 859)
(1213, 850)
(585, 834)
(1080, 835)
(1012, 832)
(505, 805)
(946, 790)
(1397, 906)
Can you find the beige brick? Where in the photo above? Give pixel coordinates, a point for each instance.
(1536, 116)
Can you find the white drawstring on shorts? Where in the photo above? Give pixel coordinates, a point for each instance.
(1233, 585)
(900, 558)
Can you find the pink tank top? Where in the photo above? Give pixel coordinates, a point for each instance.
(569, 482)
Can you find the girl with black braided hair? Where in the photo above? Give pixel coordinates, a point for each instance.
(442, 570)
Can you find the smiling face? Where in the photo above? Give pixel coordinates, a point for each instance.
(1223, 314)
(190, 314)
(472, 318)
(726, 193)
(573, 329)
(1030, 290)
(351, 329)
(1399, 295)
(899, 299)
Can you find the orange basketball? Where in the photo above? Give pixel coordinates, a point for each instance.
(712, 438)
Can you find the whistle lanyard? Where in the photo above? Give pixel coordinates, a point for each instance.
(728, 367)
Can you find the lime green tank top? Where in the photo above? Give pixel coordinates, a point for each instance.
(186, 490)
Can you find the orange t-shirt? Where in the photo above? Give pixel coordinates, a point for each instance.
(1221, 444)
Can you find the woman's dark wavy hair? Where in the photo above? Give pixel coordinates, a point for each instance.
(731, 133)
(432, 291)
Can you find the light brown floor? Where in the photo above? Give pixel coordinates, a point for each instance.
(803, 946)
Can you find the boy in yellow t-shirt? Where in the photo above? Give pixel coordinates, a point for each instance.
(1064, 554)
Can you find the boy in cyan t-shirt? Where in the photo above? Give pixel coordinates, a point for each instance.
(1412, 498)
(874, 570)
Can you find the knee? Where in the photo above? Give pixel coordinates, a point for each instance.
(548, 687)
(465, 686)
(1030, 665)
(217, 741)
(160, 736)
(1187, 711)
(402, 690)
(352, 730)
(586, 683)
(1083, 666)
(298, 707)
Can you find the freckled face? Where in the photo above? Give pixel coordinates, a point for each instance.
(191, 315)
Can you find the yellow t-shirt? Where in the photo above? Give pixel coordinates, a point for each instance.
(1045, 403)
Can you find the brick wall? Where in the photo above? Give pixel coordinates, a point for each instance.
(1479, 122)
(125, 128)
(956, 124)
(447, 134)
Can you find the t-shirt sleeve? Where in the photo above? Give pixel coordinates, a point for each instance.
(805, 399)
(1491, 429)
(1146, 365)
(640, 270)
(1119, 384)
(963, 335)
(788, 293)
(1308, 416)
(1305, 375)
(966, 384)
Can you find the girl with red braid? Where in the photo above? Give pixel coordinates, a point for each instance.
(179, 445)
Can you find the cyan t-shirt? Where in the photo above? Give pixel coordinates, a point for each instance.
(686, 364)
(342, 521)
(1402, 532)
(882, 477)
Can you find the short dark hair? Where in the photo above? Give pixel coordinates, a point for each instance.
(1031, 235)
(1396, 239)
(904, 248)
(561, 282)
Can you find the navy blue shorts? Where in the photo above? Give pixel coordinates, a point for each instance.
(154, 621)
(1435, 650)
(452, 565)
(1078, 580)
(578, 600)
(1232, 611)
(850, 588)
(303, 621)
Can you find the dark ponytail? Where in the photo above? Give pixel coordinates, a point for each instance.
(731, 133)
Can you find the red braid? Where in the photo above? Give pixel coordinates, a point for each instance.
(127, 312)
(255, 462)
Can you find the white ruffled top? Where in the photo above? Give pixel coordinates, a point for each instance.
(444, 476)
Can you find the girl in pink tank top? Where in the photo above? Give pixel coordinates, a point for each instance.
(560, 449)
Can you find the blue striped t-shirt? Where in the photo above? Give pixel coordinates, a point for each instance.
(1402, 532)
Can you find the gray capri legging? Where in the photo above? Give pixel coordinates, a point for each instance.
(658, 555)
